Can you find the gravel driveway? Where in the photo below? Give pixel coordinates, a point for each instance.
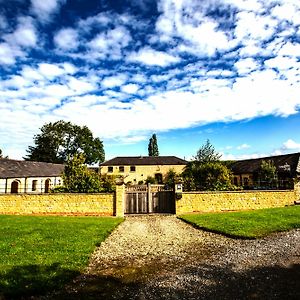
(161, 257)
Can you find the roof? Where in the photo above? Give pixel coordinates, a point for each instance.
(10, 168)
(144, 161)
(287, 162)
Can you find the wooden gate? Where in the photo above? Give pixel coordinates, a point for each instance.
(144, 199)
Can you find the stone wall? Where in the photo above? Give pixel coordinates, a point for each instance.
(230, 201)
(58, 204)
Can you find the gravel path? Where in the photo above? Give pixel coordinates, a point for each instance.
(161, 257)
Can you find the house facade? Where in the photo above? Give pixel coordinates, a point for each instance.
(18, 176)
(136, 169)
(247, 172)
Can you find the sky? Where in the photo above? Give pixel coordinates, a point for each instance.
(187, 70)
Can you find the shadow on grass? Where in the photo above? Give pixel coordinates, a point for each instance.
(22, 282)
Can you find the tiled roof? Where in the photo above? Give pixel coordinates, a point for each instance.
(10, 168)
(281, 162)
(144, 161)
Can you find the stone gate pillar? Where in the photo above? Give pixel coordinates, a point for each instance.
(120, 199)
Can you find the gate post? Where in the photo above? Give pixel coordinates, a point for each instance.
(120, 199)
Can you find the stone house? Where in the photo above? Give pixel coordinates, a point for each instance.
(136, 169)
(246, 172)
(18, 176)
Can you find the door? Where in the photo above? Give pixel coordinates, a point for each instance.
(14, 189)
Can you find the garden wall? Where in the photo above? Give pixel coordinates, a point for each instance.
(58, 204)
(229, 201)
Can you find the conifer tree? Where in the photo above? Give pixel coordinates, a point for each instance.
(152, 146)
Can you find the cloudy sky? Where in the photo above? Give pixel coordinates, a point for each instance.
(187, 70)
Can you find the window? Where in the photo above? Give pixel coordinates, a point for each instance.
(158, 178)
(110, 169)
(121, 169)
(132, 168)
(34, 185)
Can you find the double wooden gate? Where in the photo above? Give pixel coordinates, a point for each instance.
(144, 199)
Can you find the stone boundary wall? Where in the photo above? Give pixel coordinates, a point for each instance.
(58, 204)
(231, 201)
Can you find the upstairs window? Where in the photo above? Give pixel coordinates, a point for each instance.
(110, 169)
(121, 169)
(132, 168)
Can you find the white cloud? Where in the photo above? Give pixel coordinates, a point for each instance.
(66, 39)
(130, 88)
(113, 81)
(152, 57)
(7, 54)
(243, 146)
(291, 145)
(245, 66)
(43, 9)
(50, 71)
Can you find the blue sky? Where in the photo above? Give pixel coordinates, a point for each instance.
(187, 70)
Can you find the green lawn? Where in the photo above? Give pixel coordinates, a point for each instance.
(248, 224)
(39, 253)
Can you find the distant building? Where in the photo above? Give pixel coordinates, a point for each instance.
(136, 169)
(18, 176)
(246, 172)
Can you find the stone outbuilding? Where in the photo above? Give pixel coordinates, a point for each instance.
(17, 176)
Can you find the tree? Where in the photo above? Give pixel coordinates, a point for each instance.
(207, 176)
(207, 153)
(267, 173)
(57, 142)
(152, 146)
(1, 155)
(171, 178)
(77, 178)
(207, 172)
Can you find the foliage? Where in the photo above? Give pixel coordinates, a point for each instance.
(207, 153)
(150, 180)
(77, 178)
(171, 178)
(207, 176)
(1, 155)
(40, 254)
(267, 172)
(108, 184)
(152, 146)
(59, 141)
(248, 224)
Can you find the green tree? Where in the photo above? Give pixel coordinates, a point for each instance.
(207, 176)
(207, 172)
(57, 142)
(207, 153)
(77, 178)
(267, 174)
(152, 146)
(1, 155)
(171, 178)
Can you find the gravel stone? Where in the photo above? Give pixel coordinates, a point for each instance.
(161, 257)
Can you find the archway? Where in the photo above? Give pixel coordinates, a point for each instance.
(47, 185)
(14, 189)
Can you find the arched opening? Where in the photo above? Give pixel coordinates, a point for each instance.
(14, 189)
(47, 185)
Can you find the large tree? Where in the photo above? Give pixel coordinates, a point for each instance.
(207, 153)
(152, 146)
(77, 178)
(207, 172)
(59, 141)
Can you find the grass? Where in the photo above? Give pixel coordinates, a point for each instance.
(248, 224)
(39, 253)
